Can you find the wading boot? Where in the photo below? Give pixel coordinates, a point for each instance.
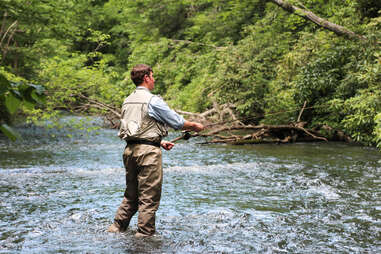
(140, 235)
(114, 229)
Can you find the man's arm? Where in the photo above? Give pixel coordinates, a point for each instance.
(160, 111)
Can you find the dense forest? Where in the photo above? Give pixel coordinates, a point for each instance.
(267, 59)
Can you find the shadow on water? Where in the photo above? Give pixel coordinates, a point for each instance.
(59, 193)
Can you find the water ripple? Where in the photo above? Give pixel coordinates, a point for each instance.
(58, 195)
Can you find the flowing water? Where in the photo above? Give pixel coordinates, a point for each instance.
(59, 193)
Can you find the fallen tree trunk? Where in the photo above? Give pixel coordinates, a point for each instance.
(264, 134)
(223, 126)
(232, 130)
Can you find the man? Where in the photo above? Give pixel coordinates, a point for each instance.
(144, 122)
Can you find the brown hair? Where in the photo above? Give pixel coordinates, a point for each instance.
(138, 73)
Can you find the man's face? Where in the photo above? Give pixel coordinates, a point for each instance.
(150, 80)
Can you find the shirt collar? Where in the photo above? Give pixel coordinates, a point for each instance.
(142, 88)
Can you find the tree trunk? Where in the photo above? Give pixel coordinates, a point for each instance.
(307, 15)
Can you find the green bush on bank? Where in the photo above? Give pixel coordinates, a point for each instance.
(16, 95)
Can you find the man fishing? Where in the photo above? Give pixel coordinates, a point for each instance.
(144, 122)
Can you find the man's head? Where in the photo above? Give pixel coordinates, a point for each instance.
(142, 74)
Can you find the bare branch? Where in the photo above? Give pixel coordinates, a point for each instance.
(187, 113)
(5, 34)
(310, 134)
(3, 23)
(301, 111)
(100, 105)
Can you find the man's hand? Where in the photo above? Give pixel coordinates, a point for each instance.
(167, 145)
(193, 126)
(198, 127)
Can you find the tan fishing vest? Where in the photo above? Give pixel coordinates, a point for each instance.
(135, 123)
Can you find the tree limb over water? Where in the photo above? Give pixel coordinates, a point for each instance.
(310, 16)
(234, 131)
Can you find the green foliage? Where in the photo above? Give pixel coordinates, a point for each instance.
(377, 130)
(12, 97)
(368, 8)
(69, 81)
(318, 79)
(9, 132)
(341, 82)
(264, 60)
(245, 71)
(360, 113)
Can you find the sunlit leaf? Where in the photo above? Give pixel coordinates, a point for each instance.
(9, 132)
(29, 105)
(4, 84)
(12, 102)
(38, 97)
(38, 88)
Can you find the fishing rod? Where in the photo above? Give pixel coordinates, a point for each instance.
(186, 135)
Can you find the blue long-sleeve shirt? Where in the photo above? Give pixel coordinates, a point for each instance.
(160, 111)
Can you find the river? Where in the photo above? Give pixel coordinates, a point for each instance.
(59, 191)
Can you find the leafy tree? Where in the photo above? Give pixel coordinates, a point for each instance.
(14, 96)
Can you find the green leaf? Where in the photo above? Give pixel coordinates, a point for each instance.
(29, 105)
(12, 102)
(38, 97)
(4, 84)
(9, 132)
(39, 89)
(26, 92)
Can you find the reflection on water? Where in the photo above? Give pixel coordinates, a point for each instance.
(60, 193)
